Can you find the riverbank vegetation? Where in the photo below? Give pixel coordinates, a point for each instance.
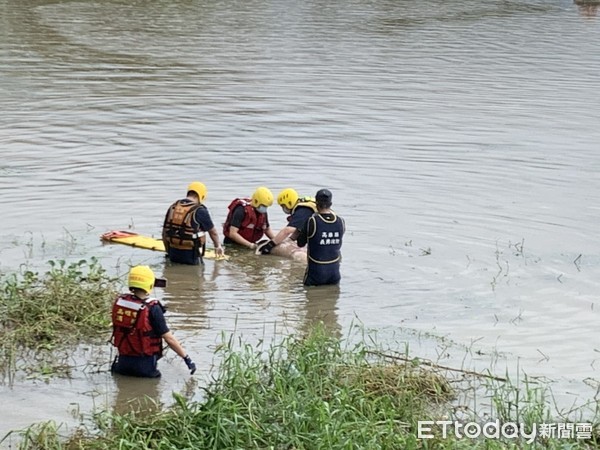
(311, 391)
(44, 313)
(314, 392)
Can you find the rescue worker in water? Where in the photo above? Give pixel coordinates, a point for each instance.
(139, 327)
(247, 219)
(185, 225)
(323, 235)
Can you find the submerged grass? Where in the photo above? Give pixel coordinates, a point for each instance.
(42, 312)
(308, 392)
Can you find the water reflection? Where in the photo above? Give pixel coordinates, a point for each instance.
(188, 292)
(321, 307)
(587, 8)
(136, 395)
(145, 396)
(249, 272)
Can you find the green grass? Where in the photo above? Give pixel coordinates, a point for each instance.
(40, 313)
(308, 392)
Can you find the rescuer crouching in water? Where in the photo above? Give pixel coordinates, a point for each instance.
(139, 327)
(247, 219)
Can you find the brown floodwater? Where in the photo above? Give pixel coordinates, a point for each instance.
(459, 139)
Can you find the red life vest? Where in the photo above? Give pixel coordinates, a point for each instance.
(132, 330)
(254, 224)
(179, 230)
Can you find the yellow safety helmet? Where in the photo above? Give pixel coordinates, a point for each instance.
(199, 189)
(141, 277)
(288, 198)
(262, 196)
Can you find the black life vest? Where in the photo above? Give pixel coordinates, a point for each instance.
(325, 238)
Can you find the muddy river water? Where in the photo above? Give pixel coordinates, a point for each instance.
(460, 141)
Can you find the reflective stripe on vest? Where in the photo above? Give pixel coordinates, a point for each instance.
(178, 228)
(132, 331)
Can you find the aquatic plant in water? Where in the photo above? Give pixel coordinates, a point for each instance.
(41, 313)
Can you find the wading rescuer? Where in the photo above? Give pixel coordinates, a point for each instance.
(139, 327)
(185, 225)
(323, 234)
(247, 219)
(299, 210)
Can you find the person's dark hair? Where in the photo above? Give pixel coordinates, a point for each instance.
(139, 293)
(324, 198)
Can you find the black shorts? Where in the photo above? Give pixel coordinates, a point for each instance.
(322, 274)
(136, 366)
